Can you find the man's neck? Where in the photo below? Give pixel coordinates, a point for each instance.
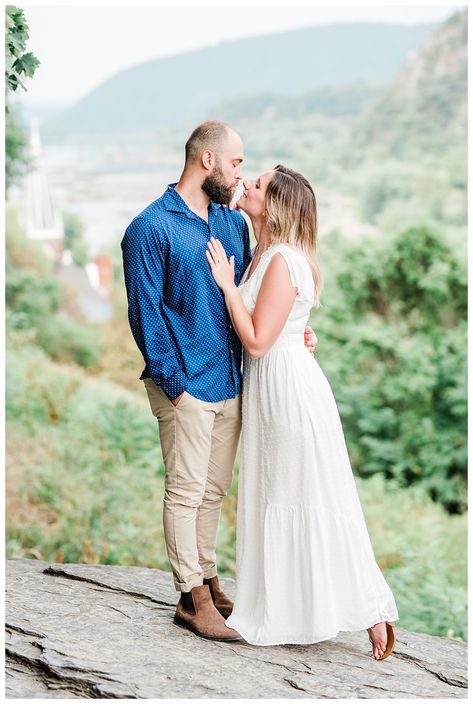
(193, 196)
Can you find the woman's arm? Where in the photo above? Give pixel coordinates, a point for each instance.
(273, 305)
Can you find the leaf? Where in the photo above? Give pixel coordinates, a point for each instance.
(12, 81)
(30, 63)
(9, 21)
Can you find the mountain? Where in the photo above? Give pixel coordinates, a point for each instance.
(424, 108)
(399, 148)
(185, 88)
(331, 101)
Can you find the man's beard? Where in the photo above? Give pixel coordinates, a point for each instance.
(216, 189)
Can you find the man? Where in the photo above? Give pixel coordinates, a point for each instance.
(192, 355)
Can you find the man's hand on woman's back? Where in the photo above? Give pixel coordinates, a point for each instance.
(310, 339)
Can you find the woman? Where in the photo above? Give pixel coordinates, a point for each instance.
(305, 565)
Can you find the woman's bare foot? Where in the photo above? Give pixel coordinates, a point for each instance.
(379, 638)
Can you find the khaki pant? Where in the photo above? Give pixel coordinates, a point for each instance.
(199, 441)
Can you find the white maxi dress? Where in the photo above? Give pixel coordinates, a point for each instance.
(305, 565)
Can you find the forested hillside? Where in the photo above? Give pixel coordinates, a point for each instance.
(424, 110)
(399, 151)
(159, 93)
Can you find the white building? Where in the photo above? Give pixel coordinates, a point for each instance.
(41, 220)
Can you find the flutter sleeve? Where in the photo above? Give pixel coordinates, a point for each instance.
(299, 270)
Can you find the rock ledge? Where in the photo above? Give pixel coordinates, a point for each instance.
(95, 631)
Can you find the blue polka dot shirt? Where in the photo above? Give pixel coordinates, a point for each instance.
(176, 311)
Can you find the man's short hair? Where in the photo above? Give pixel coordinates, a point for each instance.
(209, 135)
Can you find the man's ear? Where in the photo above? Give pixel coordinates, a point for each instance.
(208, 159)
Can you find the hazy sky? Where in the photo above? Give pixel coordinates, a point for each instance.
(81, 44)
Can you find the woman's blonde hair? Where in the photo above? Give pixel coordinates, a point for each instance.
(291, 217)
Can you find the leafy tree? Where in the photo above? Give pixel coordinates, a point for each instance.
(18, 64)
(393, 344)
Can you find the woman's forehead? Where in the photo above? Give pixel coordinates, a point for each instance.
(266, 177)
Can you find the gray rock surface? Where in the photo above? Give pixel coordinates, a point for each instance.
(95, 631)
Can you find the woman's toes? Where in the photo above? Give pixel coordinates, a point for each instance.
(380, 640)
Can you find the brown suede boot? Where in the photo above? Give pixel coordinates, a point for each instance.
(196, 612)
(222, 603)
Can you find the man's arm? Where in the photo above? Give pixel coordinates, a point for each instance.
(143, 265)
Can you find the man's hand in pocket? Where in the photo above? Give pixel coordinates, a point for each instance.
(176, 400)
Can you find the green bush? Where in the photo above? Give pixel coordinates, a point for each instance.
(123, 430)
(86, 452)
(35, 391)
(393, 344)
(33, 299)
(29, 297)
(66, 340)
(20, 252)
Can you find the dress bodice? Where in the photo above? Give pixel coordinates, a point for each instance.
(301, 277)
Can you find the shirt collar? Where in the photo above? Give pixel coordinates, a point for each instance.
(175, 204)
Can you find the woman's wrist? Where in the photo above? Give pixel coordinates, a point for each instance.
(230, 289)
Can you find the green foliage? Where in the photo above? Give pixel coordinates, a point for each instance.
(330, 101)
(67, 340)
(16, 159)
(29, 298)
(89, 459)
(74, 238)
(393, 344)
(36, 392)
(18, 63)
(424, 110)
(392, 192)
(21, 252)
(384, 182)
(33, 303)
(33, 298)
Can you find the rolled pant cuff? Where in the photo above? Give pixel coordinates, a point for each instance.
(187, 586)
(208, 574)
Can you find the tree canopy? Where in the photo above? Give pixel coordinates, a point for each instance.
(393, 344)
